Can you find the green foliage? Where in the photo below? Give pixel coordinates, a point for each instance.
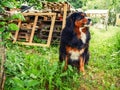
(16, 16)
(52, 0)
(34, 71)
(37, 68)
(35, 3)
(8, 4)
(6, 24)
(112, 5)
(12, 27)
(77, 3)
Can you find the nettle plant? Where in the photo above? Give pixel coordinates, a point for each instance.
(7, 18)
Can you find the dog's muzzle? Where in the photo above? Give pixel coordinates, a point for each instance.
(89, 22)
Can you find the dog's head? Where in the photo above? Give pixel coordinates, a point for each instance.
(78, 19)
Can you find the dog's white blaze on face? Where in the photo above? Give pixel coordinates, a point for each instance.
(83, 36)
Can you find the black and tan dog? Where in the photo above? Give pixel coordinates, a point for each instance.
(74, 44)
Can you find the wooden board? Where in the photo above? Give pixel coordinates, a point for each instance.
(118, 19)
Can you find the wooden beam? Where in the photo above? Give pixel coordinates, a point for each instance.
(16, 33)
(33, 29)
(51, 30)
(38, 14)
(64, 16)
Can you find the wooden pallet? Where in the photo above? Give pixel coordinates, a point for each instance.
(34, 27)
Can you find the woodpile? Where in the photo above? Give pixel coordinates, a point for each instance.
(44, 27)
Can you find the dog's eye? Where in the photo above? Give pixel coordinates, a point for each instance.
(79, 18)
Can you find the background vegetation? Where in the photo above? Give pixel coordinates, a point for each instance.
(37, 68)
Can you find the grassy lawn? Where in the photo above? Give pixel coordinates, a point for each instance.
(37, 68)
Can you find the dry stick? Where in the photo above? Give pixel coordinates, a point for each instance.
(3, 58)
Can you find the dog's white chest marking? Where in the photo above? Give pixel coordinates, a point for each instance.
(83, 36)
(74, 55)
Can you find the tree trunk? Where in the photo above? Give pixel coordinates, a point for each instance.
(2, 61)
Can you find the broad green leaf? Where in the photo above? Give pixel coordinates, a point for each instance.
(70, 68)
(18, 82)
(8, 4)
(16, 88)
(2, 29)
(30, 83)
(17, 16)
(1, 9)
(12, 26)
(6, 35)
(63, 74)
(2, 23)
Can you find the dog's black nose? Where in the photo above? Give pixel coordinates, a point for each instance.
(89, 21)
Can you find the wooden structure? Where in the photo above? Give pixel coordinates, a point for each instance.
(118, 19)
(30, 26)
(62, 10)
(45, 25)
(102, 14)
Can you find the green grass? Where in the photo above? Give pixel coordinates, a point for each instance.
(37, 68)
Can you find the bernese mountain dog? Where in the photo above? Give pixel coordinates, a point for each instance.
(74, 43)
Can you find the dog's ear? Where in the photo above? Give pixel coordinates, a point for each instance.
(70, 22)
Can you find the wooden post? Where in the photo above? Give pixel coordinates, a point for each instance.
(64, 16)
(16, 33)
(33, 29)
(51, 30)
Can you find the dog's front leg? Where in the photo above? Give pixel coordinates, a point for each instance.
(66, 62)
(81, 64)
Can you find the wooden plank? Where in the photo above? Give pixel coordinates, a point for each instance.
(33, 44)
(16, 33)
(51, 30)
(38, 14)
(33, 29)
(64, 16)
